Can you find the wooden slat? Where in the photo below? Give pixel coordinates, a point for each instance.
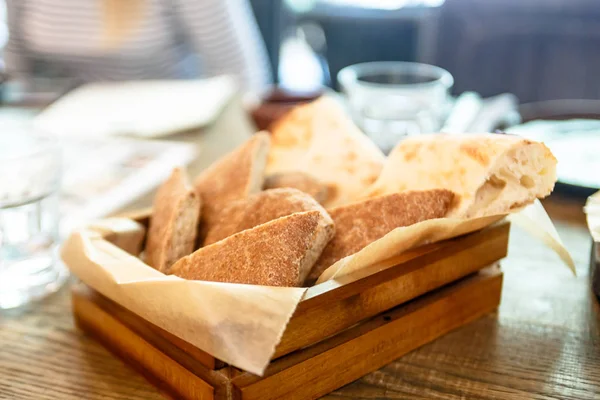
(315, 371)
(329, 309)
(161, 370)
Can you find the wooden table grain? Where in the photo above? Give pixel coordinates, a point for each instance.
(543, 343)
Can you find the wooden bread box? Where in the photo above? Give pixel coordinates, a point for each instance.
(338, 333)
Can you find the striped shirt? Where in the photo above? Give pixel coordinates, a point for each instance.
(174, 39)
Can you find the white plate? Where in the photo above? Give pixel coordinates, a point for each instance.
(146, 109)
(575, 144)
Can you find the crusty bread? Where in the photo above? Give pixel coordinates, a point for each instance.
(258, 209)
(490, 173)
(235, 176)
(321, 140)
(174, 222)
(298, 180)
(278, 253)
(362, 223)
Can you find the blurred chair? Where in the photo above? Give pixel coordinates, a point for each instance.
(535, 49)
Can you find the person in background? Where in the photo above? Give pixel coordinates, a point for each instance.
(100, 40)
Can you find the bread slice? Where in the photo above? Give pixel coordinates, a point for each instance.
(362, 223)
(235, 176)
(278, 253)
(320, 139)
(491, 174)
(298, 180)
(258, 209)
(174, 222)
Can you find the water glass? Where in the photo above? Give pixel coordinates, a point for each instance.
(30, 171)
(391, 100)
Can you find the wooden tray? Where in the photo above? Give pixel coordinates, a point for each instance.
(337, 334)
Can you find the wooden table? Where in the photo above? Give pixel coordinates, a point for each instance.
(543, 343)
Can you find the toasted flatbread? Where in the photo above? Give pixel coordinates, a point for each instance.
(490, 173)
(278, 253)
(362, 223)
(174, 222)
(235, 176)
(258, 209)
(298, 180)
(321, 140)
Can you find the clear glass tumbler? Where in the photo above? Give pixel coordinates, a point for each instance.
(391, 100)
(30, 172)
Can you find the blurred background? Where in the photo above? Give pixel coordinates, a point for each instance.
(536, 49)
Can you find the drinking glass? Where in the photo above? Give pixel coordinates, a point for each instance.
(30, 171)
(392, 100)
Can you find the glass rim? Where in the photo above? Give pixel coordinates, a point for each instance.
(350, 75)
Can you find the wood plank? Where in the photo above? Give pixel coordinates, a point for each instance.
(329, 311)
(318, 370)
(161, 370)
